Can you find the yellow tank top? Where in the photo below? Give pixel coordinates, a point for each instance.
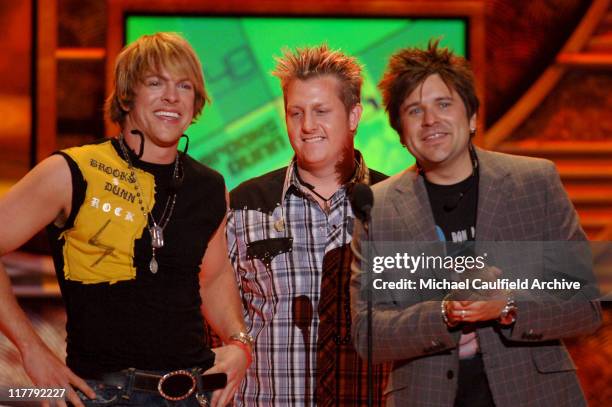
(100, 246)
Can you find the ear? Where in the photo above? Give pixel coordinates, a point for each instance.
(124, 106)
(473, 123)
(355, 116)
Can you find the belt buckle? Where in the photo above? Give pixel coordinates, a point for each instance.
(176, 376)
(202, 400)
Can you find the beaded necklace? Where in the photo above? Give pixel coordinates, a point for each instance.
(156, 229)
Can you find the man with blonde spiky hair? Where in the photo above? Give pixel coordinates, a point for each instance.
(288, 234)
(137, 234)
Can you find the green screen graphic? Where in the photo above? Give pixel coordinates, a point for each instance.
(242, 134)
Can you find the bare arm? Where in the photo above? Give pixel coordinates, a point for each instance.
(220, 298)
(222, 309)
(41, 197)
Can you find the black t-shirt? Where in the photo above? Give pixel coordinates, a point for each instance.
(152, 322)
(454, 208)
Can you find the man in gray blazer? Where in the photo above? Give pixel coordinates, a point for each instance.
(485, 350)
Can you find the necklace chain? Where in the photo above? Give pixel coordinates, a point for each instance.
(156, 231)
(311, 188)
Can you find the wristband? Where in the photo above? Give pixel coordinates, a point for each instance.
(244, 338)
(245, 342)
(245, 348)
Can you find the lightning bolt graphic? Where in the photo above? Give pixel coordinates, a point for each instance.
(108, 250)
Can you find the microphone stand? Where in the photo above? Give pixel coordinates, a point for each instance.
(362, 201)
(370, 374)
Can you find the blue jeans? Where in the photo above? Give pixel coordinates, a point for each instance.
(125, 396)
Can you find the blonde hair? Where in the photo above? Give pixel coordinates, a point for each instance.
(151, 54)
(310, 62)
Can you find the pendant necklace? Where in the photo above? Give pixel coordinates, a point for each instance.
(326, 207)
(156, 229)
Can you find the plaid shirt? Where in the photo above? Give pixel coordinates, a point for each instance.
(292, 262)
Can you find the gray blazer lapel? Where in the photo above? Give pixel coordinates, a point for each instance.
(411, 202)
(492, 195)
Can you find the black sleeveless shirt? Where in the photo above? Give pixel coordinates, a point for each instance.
(152, 322)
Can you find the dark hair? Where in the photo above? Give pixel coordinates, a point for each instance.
(409, 67)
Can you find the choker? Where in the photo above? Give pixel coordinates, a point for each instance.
(311, 187)
(155, 228)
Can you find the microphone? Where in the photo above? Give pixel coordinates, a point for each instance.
(362, 200)
(452, 203)
(302, 318)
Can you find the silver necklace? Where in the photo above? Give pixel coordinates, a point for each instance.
(156, 229)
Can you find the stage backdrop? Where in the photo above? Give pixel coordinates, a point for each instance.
(242, 134)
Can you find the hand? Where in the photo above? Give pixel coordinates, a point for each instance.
(47, 371)
(474, 311)
(488, 274)
(231, 360)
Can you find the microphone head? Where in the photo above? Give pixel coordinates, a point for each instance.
(452, 204)
(362, 200)
(302, 312)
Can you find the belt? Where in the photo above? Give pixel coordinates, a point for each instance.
(174, 386)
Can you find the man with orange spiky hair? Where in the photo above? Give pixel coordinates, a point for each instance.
(289, 232)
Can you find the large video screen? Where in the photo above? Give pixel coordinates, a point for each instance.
(242, 134)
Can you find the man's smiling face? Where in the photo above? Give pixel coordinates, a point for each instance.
(435, 126)
(162, 108)
(320, 128)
